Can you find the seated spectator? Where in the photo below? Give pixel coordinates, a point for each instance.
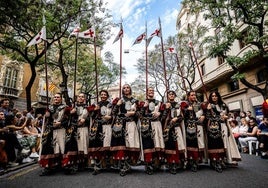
(249, 116)
(250, 135)
(243, 128)
(242, 114)
(8, 129)
(27, 138)
(234, 127)
(263, 137)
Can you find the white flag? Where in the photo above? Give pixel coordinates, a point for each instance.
(75, 32)
(39, 37)
(89, 33)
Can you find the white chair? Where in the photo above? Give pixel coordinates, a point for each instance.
(250, 146)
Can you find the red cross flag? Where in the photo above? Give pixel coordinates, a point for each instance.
(120, 34)
(171, 50)
(139, 38)
(39, 37)
(75, 32)
(157, 32)
(89, 33)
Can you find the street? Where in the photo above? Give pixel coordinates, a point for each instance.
(252, 172)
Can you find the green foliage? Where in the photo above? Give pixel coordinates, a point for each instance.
(21, 20)
(234, 21)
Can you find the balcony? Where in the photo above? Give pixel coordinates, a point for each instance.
(9, 92)
(219, 74)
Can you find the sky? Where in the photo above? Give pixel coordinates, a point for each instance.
(135, 13)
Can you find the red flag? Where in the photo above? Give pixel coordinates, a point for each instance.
(120, 34)
(39, 37)
(89, 33)
(139, 38)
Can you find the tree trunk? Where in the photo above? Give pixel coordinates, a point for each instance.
(29, 87)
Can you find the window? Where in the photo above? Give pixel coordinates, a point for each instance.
(179, 25)
(234, 85)
(220, 60)
(203, 71)
(11, 78)
(242, 40)
(262, 75)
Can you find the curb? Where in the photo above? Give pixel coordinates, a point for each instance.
(15, 168)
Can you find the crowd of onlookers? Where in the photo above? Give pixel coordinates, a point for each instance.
(247, 128)
(19, 136)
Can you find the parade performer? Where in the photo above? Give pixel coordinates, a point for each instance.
(151, 131)
(76, 148)
(174, 142)
(194, 134)
(53, 135)
(125, 143)
(221, 143)
(100, 133)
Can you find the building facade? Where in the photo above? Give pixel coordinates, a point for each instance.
(217, 74)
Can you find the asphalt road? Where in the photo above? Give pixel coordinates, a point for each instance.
(252, 172)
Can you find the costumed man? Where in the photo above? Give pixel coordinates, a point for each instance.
(53, 135)
(151, 131)
(194, 134)
(100, 133)
(174, 142)
(125, 143)
(220, 140)
(76, 149)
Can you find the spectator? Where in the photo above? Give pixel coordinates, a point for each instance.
(235, 128)
(263, 137)
(251, 135)
(242, 114)
(30, 114)
(8, 134)
(249, 116)
(243, 128)
(4, 106)
(28, 140)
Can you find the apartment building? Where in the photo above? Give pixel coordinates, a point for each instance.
(216, 73)
(14, 77)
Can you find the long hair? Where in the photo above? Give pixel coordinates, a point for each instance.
(123, 89)
(220, 101)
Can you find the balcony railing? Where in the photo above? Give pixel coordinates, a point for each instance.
(217, 73)
(9, 92)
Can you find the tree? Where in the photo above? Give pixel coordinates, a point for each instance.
(227, 17)
(17, 28)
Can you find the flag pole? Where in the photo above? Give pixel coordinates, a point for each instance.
(163, 56)
(120, 73)
(146, 58)
(75, 66)
(181, 72)
(96, 69)
(198, 68)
